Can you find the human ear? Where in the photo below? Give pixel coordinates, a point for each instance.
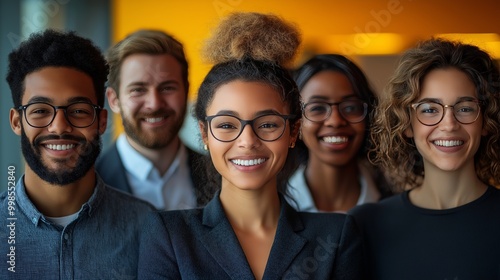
(409, 132)
(103, 121)
(113, 100)
(15, 121)
(203, 132)
(295, 132)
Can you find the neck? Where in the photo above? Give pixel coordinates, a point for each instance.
(334, 188)
(250, 210)
(448, 189)
(58, 201)
(161, 158)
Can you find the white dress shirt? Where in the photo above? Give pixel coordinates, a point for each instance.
(174, 190)
(302, 197)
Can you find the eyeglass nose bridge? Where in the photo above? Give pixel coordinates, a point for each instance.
(245, 123)
(54, 115)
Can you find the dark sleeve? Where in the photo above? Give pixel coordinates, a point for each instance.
(156, 254)
(349, 261)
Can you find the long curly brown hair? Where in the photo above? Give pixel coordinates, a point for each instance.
(394, 152)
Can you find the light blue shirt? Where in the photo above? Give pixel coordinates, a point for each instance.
(302, 197)
(101, 243)
(174, 190)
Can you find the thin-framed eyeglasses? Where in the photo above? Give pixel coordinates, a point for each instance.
(431, 113)
(42, 114)
(353, 111)
(227, 128)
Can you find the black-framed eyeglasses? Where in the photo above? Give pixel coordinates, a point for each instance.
(431, 113)
(41, 114)
(227, 128)
(353, 111)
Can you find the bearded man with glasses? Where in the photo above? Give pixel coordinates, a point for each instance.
(65, 223)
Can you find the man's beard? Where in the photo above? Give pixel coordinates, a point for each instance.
(144, 138)
(61, 176)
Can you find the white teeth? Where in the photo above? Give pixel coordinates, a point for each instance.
(60, 147)
(248, 162)
(153, 120)
(335, 139)
(448, 143)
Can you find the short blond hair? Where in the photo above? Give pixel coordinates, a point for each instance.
(145, 41)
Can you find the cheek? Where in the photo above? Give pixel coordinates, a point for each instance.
(309, 132)
(131, 106)
(177, 102)
(360, 129)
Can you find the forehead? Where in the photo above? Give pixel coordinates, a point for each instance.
(246, 99)
(150, 67)
(447, 84)
(328, 83)
(58, 84)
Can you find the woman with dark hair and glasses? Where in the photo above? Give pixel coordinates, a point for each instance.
(334, 174)
(248, 110)
(437, 133)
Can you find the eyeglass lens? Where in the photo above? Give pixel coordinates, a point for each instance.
(77, 114)
(351, 110)
(228, 128)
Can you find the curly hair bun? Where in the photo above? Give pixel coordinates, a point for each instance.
(259, 36)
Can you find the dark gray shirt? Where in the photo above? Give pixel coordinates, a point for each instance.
(101, 243)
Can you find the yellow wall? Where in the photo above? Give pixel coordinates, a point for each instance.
(345, 26)
(351, 27)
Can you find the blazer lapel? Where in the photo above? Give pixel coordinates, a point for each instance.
(220, 240)
(287, 243)
(112, 171)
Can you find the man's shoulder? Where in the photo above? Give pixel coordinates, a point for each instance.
(108, 154)
(122, 199)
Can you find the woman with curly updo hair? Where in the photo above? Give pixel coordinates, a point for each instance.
(248, 111)
(437, 134)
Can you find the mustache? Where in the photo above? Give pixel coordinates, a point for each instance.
(40, 139)
(157, 114)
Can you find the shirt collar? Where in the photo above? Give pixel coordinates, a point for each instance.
(34, 215)
(300, 192)
(133, 161)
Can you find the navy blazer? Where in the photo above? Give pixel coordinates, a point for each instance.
(110, 167)
(201, 244)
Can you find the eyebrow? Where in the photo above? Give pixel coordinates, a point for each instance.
(437, 100)
(44, 99)
(143, 84)
(325, 98)
(258, 114)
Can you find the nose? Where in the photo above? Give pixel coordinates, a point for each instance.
(154, 100)
(60, 124)
(449, 122)
(247, 139)
(335, 119)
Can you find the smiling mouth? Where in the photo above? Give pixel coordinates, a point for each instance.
(154, 120)
(59, 147)
(335, 139)
(448, 143)
(248, 162)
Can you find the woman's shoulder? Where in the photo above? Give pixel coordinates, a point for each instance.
(389, 204)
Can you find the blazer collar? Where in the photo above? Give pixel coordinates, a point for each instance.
(222, 243)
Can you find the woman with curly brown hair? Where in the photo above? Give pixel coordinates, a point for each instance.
(437, 135)
(248, 111)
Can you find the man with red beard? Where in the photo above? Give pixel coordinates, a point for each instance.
(63, 221)
(148, 86)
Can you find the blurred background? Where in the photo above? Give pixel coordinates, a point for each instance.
(371, 32)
